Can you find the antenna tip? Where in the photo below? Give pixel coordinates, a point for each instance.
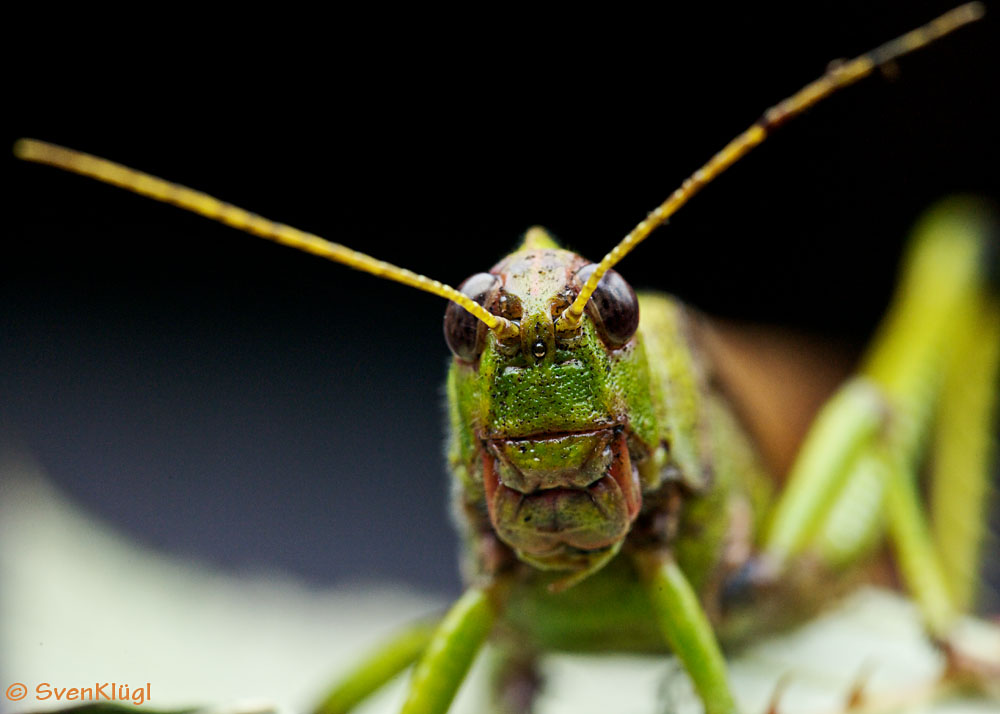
(23, 148)
(969, 12)
(34, 150)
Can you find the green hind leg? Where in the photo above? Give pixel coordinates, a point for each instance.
(962, 450)
(859, 463)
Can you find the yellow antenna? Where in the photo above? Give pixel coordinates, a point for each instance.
(837, 77)
(201, 203)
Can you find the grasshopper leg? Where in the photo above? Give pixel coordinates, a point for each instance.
(963, 448)
(388, 660)
(451, 650)
(859, 463)
(685, 626)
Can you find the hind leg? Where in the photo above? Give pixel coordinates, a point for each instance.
(857, 472)
(926, 395)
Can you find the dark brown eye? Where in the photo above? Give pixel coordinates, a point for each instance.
(613, 306)
(463, 332)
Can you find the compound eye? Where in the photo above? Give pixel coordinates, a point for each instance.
(613, 307)
(464, 333)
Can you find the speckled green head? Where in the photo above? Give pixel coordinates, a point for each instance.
(549, 427)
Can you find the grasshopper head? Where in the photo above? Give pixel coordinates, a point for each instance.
(551, 424)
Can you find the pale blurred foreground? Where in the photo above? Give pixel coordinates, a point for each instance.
(81, 604)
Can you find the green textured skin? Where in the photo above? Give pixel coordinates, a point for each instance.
(681, 437)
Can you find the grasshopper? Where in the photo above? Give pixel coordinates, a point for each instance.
(610, 498)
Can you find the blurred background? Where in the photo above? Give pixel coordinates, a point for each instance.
(235, 403)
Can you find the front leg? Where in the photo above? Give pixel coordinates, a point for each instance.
(686, 628)
(455, 643)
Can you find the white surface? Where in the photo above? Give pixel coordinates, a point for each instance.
(80, 604)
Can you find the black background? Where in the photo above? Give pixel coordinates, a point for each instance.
(234, 401)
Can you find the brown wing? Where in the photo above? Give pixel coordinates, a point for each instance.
(776, 380)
